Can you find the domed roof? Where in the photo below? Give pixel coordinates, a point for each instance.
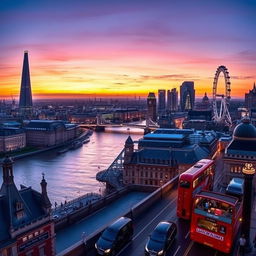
(205, 98)
(245, 131)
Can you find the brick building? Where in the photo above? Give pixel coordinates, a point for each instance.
(26, 226)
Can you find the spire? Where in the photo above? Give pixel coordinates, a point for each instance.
(25, 88)
(45, 199)
(7, 171)
(129, 140)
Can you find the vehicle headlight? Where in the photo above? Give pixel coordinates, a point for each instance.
(161, 252)
(107, 251)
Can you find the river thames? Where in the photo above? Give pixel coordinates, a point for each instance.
(72, 174)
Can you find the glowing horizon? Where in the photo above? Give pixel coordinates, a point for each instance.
(93, 49)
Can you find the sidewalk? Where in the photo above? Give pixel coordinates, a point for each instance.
(253, 228)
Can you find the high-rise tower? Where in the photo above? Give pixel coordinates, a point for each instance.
(151, 103)
(161, 100)
(172, 100)
(187, 96)
(25, 103)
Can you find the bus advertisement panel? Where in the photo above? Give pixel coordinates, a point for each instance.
(215, 220)
(198, 177)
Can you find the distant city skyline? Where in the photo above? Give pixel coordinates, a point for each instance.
(126, 48)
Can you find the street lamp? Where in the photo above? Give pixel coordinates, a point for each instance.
(248, 172)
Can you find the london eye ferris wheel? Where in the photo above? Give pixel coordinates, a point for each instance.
(220, 111)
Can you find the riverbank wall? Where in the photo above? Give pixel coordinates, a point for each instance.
(66, 144)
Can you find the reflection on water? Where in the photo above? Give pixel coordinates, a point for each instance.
(72, 174)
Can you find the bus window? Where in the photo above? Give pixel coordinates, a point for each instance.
(209, 225)
(184, 184)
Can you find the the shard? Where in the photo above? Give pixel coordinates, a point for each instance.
(25, 103)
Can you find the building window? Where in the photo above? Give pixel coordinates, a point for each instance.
(132, 173)
(151, 175)
(161, 175)
(30, 253)
(156, 176)
(141, 173)
(42, 251)
(19, 206)
(146, 174)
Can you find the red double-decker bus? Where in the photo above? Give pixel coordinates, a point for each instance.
(198, 177)
(215, 220)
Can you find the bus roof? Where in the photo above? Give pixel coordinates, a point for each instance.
(197, 168)
(218, 196)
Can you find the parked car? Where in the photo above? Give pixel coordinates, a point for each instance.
(161, 239)
(115, 237)
(235, 187)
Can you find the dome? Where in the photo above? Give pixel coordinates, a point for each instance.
(205, 98)
(245, 131)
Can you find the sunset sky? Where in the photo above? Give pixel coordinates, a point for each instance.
(92, 48)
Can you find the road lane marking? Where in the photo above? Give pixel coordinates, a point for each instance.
(176, 251)
(125, 247)
(187, 235)
(188, 249)
(154, 218)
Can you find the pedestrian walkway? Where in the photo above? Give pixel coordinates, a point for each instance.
(68, 207)
(72, 234)
(253, 228)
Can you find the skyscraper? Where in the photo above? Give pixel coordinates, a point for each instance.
(25, 103)
(161, 100)
(151, 104)
(187, 96)
(172, 100)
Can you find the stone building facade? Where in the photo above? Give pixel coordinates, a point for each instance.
(164, 154)
(12, 139)
(241, 150)
(46, 133)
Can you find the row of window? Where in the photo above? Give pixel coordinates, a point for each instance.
(202, 177)
(32, 235)
(148, 168)
(236, 169)
(242, 156)
(155, 161)
(147, 182)
(147, 174)
(42, 252)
